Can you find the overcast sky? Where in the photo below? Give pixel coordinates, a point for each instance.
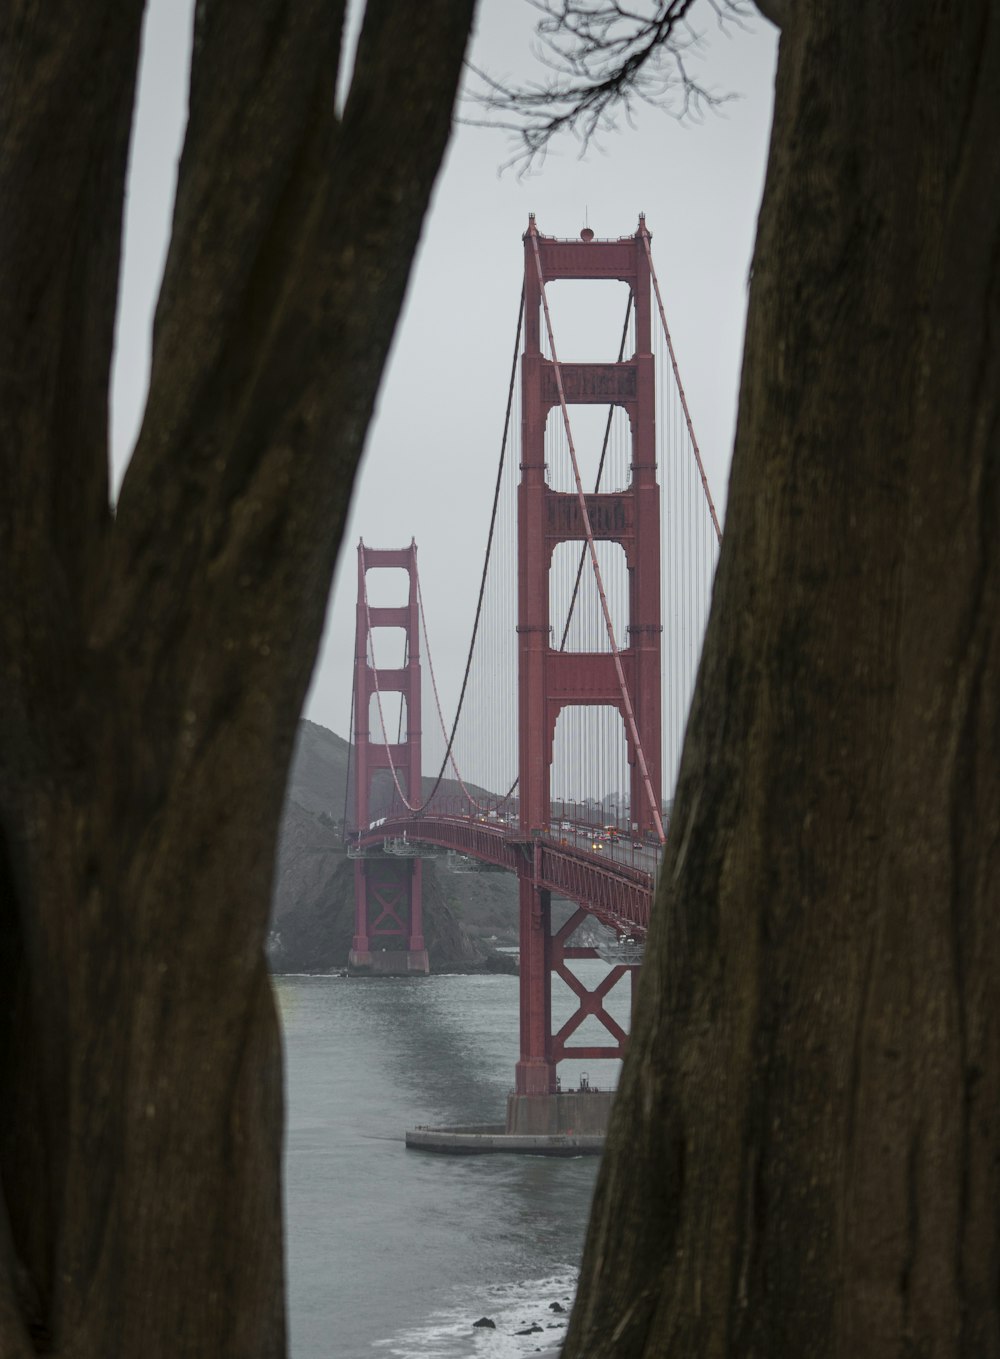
(432, 449)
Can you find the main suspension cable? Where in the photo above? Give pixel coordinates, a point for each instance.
(680, 385)
(415, 811)
(489, 549)
(449, 757)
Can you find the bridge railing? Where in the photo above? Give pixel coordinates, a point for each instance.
(571, 825)
(614, 883)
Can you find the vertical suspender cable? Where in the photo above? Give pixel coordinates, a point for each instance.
(350, 748)
(479, 604)
(680, 388)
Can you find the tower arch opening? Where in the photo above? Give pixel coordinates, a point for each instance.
(602, 440)
(590, 777)
(588, 317)
(576, 616)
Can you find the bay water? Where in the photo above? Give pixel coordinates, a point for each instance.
(395, 1253)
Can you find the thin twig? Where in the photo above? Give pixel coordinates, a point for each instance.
(605, 58)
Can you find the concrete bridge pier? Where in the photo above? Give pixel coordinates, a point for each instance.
(563, 1123)
(388, 963)
(391, 944)
(567, 1113)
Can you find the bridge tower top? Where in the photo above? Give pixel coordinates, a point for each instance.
(624, 259)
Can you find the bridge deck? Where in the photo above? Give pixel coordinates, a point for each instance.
(618, 894)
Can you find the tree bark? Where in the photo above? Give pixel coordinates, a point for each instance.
(154, 660)
(805, 1149)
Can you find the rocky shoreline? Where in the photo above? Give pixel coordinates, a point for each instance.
(555, 1320)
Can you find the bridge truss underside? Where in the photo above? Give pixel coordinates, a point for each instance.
(617, 895)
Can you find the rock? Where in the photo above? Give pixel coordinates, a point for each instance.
(501, 962)
(529, 1330)
(487, 1322)
(556, 1307)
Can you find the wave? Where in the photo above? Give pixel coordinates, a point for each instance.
(524, 1305)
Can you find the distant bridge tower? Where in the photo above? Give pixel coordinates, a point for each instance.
(388, 919)
(549, 680)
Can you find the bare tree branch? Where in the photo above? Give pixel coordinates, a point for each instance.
(605, 58)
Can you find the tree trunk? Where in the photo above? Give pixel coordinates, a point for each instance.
(153, 662)
(805, 1150)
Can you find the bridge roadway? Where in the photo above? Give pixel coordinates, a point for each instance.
(618, 893)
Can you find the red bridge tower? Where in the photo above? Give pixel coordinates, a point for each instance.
(549, 679)
(388, 919)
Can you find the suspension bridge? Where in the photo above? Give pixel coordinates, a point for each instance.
(594, 594)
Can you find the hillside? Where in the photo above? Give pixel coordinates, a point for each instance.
(319, 782)
(465, 914)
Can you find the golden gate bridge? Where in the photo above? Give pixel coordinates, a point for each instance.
(593, 598)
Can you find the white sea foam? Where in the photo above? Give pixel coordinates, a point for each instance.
(448, 1332)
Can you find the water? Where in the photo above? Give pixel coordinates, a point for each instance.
(395, 1253)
